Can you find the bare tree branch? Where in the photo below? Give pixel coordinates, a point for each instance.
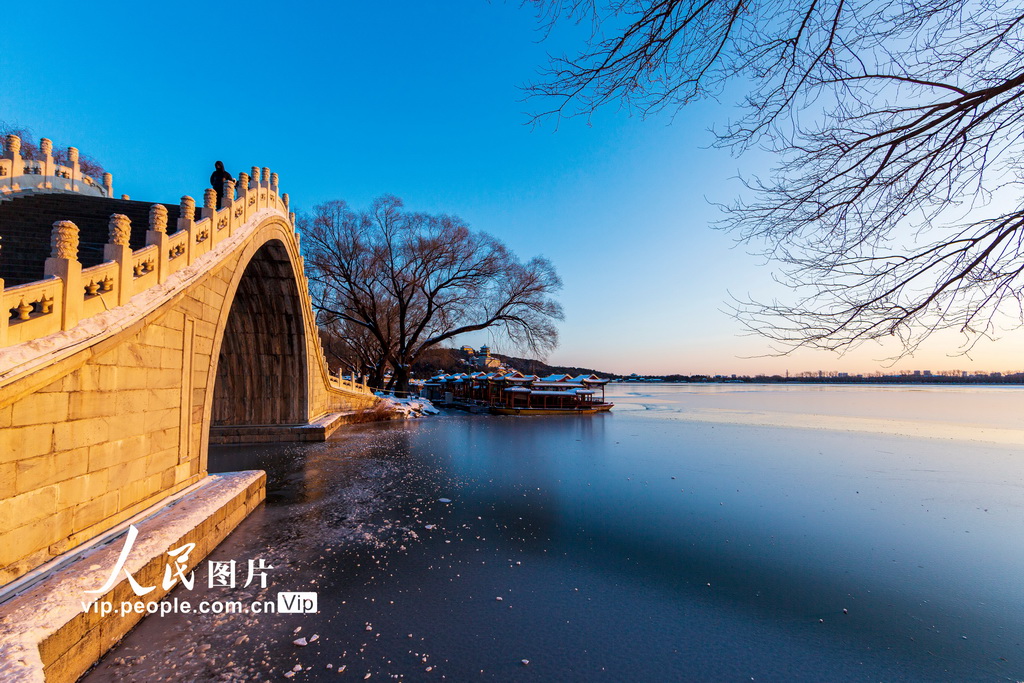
(895, 208)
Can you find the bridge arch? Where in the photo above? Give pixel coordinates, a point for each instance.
(261, 371)
(116, 375)
(110, 410)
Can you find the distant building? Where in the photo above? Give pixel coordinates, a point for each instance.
(482, 358)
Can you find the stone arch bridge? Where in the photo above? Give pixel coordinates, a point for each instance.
(135, 334)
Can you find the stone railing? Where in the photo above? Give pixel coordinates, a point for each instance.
(340, 382)
(22, 176)
(68, 293)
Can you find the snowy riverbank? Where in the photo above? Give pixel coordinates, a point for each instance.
(410, 407)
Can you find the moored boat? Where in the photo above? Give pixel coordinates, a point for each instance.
(582, 410)
(517, 394)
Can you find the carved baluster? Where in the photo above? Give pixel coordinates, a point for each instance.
(209, 210)
(63, 263)
(12, 146)
(188, 209)
(4, 316)
(118, 250)
(158, 218)
(186, 220)
(46, 148)
(119, 230)
(255, 176)
(108, 184)
(76, 171)
(273, 182)
(157, 234)
(24, 310)
(12, 151)
(242, 208)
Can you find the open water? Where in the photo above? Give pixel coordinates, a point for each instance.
(696, 533)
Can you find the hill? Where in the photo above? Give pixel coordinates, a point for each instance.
(437, 360)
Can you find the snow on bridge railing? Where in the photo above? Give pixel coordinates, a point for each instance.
(68, 293)
(26, 176)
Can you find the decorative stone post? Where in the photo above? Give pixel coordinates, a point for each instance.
(158, 218)
(120, 230)
(46, 147)
(273, 182)
(291, 217)
(266, 176)
(285, 199)
(228, 220)
(12, 151)
(117, 249)
(229, 193)
(12, 146)
(188, 209)
(186, 220)
(255, 175)
(76, 172)
(63, 263)
(3, 318)
(108, 184)
(243, 196)
(209, 203)
(157, 234)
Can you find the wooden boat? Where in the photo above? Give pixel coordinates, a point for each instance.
(514, 393)
(581, 410)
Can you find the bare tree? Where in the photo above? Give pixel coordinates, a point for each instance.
(353, 347)
(895, 208)
(413, 280)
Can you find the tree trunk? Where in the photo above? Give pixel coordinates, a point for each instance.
(400, 379)
(377, 375)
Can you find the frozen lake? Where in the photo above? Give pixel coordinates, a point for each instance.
(705, 533)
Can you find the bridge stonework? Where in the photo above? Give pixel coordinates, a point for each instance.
(105, 416)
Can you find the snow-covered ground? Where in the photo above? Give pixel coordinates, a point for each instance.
(410, 407)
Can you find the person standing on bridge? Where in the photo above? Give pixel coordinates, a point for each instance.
(217, 180)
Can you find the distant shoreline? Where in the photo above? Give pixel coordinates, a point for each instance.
(913, 380)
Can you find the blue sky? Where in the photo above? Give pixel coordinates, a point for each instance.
(422, 100)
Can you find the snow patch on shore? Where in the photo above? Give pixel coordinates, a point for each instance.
(410, 407)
